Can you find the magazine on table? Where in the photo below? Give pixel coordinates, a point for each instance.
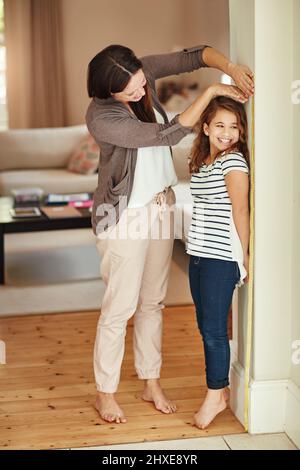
(66, 198)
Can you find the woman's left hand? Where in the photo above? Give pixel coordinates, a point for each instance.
(243, 77)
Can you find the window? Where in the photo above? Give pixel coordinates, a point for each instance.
(3, 109)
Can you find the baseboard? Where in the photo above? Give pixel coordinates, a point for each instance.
(267, 405)
(274, 405)
(292, 421)
(237, 390)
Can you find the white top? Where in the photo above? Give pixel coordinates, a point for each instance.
(212, 232)
(154, 171)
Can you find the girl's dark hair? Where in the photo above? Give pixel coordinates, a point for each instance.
(110, 71)
(201, 146)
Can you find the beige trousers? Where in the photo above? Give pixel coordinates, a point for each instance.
(135, 262)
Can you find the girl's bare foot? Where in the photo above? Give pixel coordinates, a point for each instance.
(108, 408)
(226, 394)
(213, 404)
(154, 393)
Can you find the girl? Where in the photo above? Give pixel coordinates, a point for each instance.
(218, 237)
(136, 172)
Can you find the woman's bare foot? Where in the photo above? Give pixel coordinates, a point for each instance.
(108, 408)
(213, 404)
(154, 393)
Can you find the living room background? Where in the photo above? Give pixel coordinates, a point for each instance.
(87, 26)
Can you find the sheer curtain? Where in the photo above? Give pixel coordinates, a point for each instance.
(35, 67)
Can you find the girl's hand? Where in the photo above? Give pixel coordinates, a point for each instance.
(218, 89)
(243, 77)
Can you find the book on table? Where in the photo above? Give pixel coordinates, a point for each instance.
(25, 212)
(59, 212)
(27, 196)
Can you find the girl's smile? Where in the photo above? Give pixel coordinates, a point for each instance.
(223, 131)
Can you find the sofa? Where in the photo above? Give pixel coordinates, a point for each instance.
(39, 158)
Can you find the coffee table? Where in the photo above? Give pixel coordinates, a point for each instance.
(39, 224)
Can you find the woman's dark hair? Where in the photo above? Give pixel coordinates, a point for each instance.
(201, 146)
(110, 71)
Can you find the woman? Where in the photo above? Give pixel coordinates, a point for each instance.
(136, 175)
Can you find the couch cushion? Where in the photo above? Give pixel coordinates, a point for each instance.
(52, 181)
(85, 159)
(39, 148)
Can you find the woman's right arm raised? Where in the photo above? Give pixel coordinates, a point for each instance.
(124, 130)
(192, 114)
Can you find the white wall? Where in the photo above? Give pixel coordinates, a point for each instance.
(242, 51)
(295, 369)
(146, 27)
(253, 41)
(273, 173)
(292, 411)
(270, 28)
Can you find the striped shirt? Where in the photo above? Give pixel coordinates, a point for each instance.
(212, 233)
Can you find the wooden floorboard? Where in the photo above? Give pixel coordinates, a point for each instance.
(47, 386)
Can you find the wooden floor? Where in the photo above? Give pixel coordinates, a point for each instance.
(47, 386)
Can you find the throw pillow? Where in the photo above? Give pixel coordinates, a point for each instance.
(85, 158)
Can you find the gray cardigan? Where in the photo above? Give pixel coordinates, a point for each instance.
(119, 134)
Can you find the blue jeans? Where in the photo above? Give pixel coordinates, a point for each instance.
(212, 282)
